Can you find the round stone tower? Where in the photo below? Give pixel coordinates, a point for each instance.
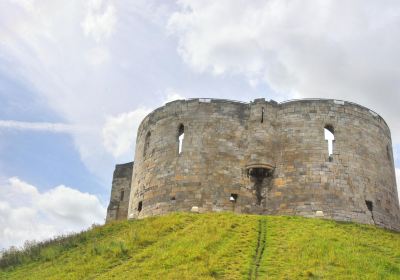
(266, 158)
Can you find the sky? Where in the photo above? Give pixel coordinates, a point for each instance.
(77, 77)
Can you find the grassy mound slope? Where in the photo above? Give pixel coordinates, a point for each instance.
(218, 246)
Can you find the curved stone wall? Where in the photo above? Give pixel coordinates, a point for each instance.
(266, 158)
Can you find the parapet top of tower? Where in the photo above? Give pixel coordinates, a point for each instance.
(273, 103)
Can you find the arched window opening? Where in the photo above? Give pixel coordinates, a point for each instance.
(181, 136)
(330, 137)
(146, 143)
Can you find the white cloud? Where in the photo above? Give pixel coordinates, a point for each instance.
(98, 56)
(330, 49)
(119, 132)
(88, 60)
(100, 20)
(173, 95)
(45, 46)
(40, 126)
(71, 205)
(27, 214)
(26, 4)
(21, 187)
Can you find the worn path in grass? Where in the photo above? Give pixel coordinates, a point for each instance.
(219, 246)
(261, 244)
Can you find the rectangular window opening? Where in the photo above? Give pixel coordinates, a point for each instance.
(369, 204)
(233, 197)
(330, 137)
(140, 205)
(121, 196)
(181, 136)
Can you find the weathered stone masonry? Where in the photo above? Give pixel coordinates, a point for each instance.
(266, 158)
(121, 188)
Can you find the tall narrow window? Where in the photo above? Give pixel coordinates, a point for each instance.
(121, 197)
(181, 136)
(146, 143)
(330, 137)
(140, 206)
(388, 153)
(262, 114)
(370, 207)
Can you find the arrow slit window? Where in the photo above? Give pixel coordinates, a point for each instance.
(181, 136)
(330, 138)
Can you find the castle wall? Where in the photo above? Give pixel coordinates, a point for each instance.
(272, 156)
(120, 192)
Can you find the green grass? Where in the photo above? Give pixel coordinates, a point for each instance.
(216, 246)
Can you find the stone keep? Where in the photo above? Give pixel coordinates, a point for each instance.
(265, 158)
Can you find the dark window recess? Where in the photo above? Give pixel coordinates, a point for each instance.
(173, 198)
(140, 205)
(330, 128)
(262, 114)
(121, 196)
(146, 143)
(369, 204)
(370, 207)
(233, 197)
(389, 154)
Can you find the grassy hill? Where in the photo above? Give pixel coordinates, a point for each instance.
(215, 246)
